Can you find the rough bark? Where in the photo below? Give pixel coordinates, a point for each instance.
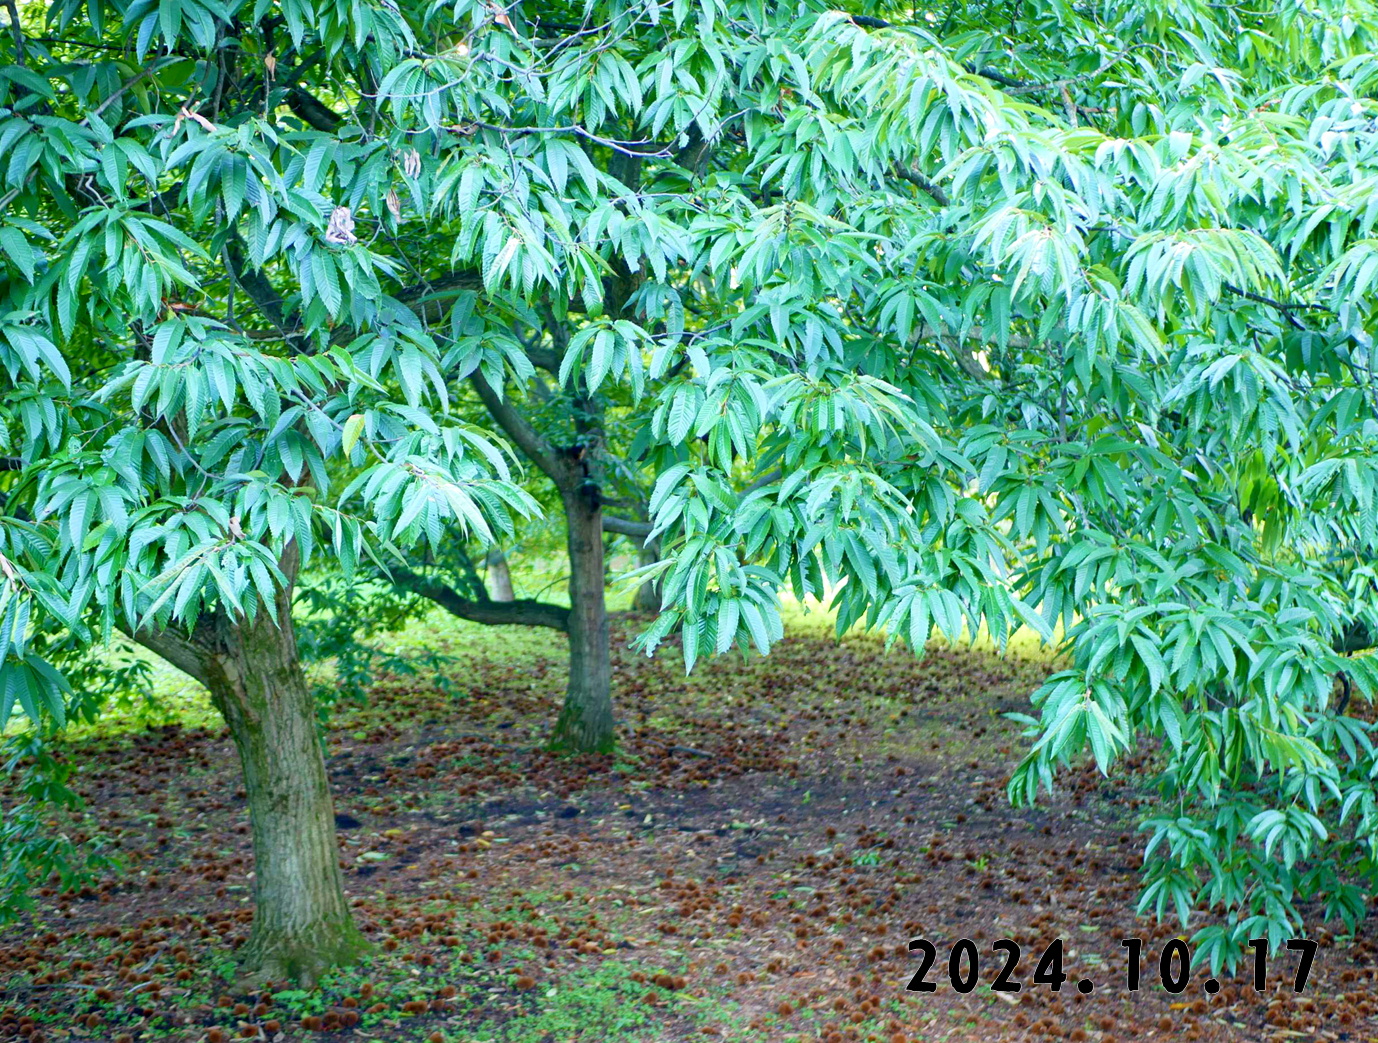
(499, 577)
(585, 724)
(302, 924)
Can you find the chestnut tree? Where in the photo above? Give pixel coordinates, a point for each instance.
(967, 316)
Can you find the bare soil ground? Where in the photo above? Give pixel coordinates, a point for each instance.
(749, 866)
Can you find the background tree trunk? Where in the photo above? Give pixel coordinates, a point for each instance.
(586, 722)
(648, 594)
(499, 576)
(302, 924)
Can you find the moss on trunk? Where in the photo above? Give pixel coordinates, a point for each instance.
(302, 924)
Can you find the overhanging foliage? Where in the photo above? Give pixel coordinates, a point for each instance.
(1063, 321)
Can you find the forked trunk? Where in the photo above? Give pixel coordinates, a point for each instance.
(586, 723)
(302, 925)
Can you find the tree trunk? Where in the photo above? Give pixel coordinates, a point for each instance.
(302, 924)
(499, 577)
(586, 723)
(648, 594)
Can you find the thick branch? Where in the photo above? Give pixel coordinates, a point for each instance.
(523, 612)
(696, 152)
(312, 111)
(174, 647)
(519, 429)
(426, 299)
(964, 358)
(1067, 81)
(626, 526)
(18, 32)
(195, 653)
(1354, 638)
(760, 483)
(256, 285)
(995, 76)
(544, 358)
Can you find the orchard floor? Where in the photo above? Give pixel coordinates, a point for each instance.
(750, 866)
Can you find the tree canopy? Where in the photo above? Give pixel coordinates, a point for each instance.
(976, 316)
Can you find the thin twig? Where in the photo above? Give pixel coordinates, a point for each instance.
(144, 74)
(676, 749)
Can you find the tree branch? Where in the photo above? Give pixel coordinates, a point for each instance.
(312, 111)
(931, 187)
(1283, 306)
(957, 348)
(18, 32)
(996, 76)
(1010, 83)
(142, 74)
(174, 647)
(544, 358)
(1067, 81)
(522, 612)
(420, 297)
(254, 283)
(696, 152)
(161, 203)
(1354, 638)
(539, 451)
(761, 482)
(626, 526)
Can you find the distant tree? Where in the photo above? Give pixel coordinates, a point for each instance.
(586, 458)
(1053, 317)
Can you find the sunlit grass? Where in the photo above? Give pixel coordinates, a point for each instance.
(175, 698)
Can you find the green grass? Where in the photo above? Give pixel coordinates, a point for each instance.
(599, 1003)
(174, 698)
